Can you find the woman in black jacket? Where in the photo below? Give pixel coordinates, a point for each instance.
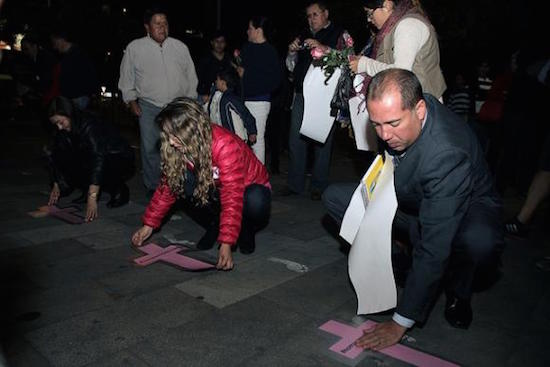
(90, 155)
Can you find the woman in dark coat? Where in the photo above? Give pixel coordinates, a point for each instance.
(88, 154)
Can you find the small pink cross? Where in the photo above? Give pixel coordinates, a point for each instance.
(349, 334)
(170, 255)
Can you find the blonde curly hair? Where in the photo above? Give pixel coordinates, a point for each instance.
(185, 119)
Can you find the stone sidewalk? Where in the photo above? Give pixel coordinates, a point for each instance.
(72, 297)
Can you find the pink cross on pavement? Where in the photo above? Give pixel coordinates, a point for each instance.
(170, 255)
(69, 214)
(345, 346)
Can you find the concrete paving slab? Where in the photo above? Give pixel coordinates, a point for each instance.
(10, 243)
(121, 359)
(317, 293)
(21, 353)
(116, 237)
(83, 339)
(139, 280)
(74, 270)
(223, 338)
(251, 277)
(62, 231)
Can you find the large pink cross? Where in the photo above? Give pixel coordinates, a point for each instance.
(68, 214)
(170, 255)
(349, 334)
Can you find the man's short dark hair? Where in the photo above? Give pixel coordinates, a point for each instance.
(321, 4)
(229, 76)
(151, 12)
(403, 80)
(217, 34)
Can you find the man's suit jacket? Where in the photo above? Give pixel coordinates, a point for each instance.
(438, 179)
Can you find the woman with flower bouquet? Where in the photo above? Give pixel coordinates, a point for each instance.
(406, 39)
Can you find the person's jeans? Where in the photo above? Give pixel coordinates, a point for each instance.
(256, 206)
(260, 111)
(297, 149)
(150, 140)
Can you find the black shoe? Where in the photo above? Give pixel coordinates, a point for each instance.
(458, 312)
(316, 194)
(209, 238)
(515, 228)
(246, 241)
(120, 198)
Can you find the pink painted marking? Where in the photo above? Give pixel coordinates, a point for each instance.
(349, 334)
(170, 255)
(68, 214)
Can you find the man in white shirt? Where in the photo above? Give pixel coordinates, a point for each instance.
(155, 69)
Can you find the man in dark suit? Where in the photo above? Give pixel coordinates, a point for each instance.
(447, 205)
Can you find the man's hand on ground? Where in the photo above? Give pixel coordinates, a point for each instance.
(381, 336)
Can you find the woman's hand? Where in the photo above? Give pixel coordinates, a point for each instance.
(225, 258)
(141, 235)
(252, 138)
(91, 209)
(354, 63)
(54, 194)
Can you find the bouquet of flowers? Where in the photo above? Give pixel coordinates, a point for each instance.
(237, 61)
(330, 59)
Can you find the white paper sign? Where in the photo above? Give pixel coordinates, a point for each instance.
(365, 135)
(369, 261)
(317, 121)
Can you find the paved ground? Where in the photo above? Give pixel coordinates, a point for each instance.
(71, 296)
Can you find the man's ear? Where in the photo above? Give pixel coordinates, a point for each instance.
(388, 5)
(147, 29)
(420, 109)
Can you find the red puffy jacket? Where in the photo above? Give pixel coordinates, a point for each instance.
(234, 168)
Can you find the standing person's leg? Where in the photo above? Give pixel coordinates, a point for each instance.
(319, 179)
(150, 150)
(297, 147)
(260, 111)
(256, 210)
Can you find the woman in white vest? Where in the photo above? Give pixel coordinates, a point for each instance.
(405, 39)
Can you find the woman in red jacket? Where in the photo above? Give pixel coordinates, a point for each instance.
(224, 185)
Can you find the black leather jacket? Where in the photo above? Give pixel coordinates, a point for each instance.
(91, 141)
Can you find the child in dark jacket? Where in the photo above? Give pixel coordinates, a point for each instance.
(225, 108)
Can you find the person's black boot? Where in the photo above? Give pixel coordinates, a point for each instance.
(247, 240)
(119, 197)
(458, 312)
(209, 238)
